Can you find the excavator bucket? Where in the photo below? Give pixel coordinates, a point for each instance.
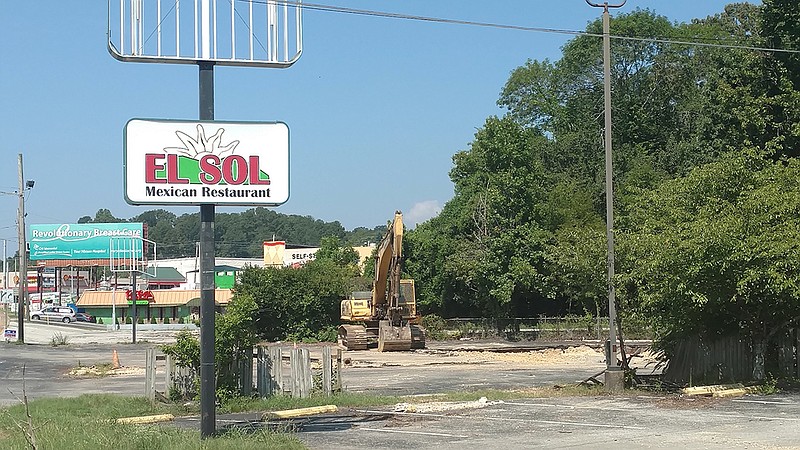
(392, 338)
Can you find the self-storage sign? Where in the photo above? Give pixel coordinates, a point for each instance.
(170, 162)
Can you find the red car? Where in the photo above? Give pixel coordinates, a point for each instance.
(83, 317)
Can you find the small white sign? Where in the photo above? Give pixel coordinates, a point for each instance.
(171, 162)
(10, 335)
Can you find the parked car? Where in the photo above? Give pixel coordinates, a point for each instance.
(61, 313)
(83, 317)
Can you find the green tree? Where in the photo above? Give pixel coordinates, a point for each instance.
(103, 215)
(716, 252)
(493, 237)
(297, 304)
(781, 20)
(332, 249)
(234, 337)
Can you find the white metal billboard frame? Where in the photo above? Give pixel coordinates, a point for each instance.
(259, 33)
(128, 254)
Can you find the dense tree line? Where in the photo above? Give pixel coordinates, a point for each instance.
(706, 187)
(239, 235)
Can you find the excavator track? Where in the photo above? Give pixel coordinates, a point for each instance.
(353, 337)
(417, 337)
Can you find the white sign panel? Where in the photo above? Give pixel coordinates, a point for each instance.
(171, 162)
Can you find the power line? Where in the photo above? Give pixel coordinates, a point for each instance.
(390, 15)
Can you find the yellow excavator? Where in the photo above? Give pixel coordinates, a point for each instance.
(387, 315)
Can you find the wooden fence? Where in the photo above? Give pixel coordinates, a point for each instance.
(278, 371)
(732, 358)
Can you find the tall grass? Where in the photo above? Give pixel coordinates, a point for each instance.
(87, 422)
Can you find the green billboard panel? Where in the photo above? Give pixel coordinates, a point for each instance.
(82, 241)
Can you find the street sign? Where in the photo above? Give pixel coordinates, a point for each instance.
(172, 162)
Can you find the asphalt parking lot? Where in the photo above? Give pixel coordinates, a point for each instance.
(753, 422)
(640, 421)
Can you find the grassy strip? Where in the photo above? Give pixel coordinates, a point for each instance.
(358, 400)
(88, 421)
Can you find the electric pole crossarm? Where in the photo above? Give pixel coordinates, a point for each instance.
(605, 5)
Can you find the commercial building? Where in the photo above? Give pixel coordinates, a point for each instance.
(159, 306)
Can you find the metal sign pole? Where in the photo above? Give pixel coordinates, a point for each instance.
(207, 262)
(134, 312)
(208, 415)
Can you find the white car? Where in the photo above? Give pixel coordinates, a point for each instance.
(61, 313)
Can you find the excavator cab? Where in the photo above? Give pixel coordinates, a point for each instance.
(408, 299)
(357, 307)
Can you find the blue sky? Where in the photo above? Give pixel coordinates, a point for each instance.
(376, 107)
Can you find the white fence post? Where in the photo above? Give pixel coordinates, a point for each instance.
(275, 370)
(327, 369)
(150, 375)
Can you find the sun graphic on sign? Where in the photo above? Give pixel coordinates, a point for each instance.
(202, 146)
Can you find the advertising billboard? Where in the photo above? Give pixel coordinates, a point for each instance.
(172, 162)
(80, 241)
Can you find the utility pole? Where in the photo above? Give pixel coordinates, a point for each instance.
(614, 377)
(22, 286)
(5, 264)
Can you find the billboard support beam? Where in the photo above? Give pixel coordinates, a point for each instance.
(134, 312)
(207, 263)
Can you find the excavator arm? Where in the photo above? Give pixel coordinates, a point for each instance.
(388, 267)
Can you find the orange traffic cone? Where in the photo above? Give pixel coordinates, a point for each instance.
(115, 360)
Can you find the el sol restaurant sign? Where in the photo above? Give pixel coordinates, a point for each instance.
(192, 163)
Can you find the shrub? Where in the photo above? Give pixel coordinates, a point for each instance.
(435, 327)
(140, 321)
(328, 334)
(166, 320)
(128, 320)
(59, 339)
(99, 320)
(180, 321)
(153, 321)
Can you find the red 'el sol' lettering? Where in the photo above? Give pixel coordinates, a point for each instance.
(209, 169)
(241, 169)
(151, 166)
(172, 171)
(255, 171)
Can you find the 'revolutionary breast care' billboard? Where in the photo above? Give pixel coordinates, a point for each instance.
(80, 241)
(171, 162)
